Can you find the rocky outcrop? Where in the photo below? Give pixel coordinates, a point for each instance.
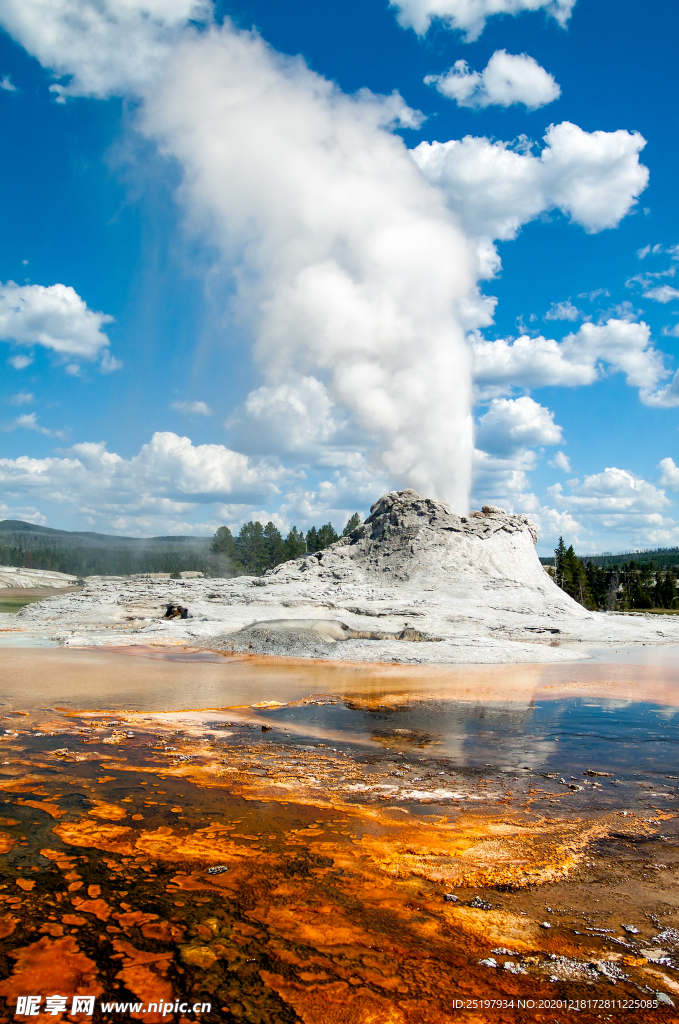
(414, 583)
(477, 558)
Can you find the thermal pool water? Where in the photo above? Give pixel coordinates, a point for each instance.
(340, 844)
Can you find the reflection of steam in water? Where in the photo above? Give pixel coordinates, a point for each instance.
(466, 732)
(554, 735)
(405, 739)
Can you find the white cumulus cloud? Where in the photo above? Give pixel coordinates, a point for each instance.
(616, 510)
(563, 311)
(592, 177)
(613, 492)
(21, 398)
(506, 436)
(503, 481)
(663, 293)
(670, 474)
(561, 461)
(168, 477)
(55, 318)
(470, 16)
(507, 79)
(101, 48)
(617, 346)
(513, 423)
(20, 361)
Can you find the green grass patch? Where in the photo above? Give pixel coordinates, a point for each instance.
(13, 604)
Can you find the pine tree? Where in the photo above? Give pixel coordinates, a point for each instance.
(222, 543)
(352, 524)
(665, 590)
(295, 545)
(222, 558)
(312, 540)
(274, 547)
(326, 536)
(639, 586)
(251, 549)
(559, 554)
(571, 575)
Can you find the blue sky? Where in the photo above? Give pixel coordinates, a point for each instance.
(236, 285)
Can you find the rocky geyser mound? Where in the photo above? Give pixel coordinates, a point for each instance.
(414, 583)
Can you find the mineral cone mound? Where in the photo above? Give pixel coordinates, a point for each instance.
(409, 539)
(414, 583)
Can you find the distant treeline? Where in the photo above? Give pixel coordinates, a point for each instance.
(627, 586)
(258, 548)
(662, 557)
(255, 549)
(97, 554)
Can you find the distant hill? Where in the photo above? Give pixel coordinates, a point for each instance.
(663, 557)
(99, 554)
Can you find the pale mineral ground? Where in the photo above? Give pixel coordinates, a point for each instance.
(415, 583)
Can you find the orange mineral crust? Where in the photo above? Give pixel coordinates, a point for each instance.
(280, 881)
(50, 966)
(148, 983)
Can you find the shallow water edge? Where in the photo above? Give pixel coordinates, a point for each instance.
(400, 846)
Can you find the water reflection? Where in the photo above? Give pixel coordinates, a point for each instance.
(553, 735)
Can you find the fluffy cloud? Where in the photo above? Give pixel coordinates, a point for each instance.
(666, 397)
(507, 79)
(106, 47)
(469, 16)
(514, 423)
(168, 477)
(55, 318)
(670, 474)
(503, 481)
(561, 461)
(26, 513)
(192, 408)
(563, 311)
(663, 293)
(172, 486)
(505, 436)
(615, 491)
(617, 346)
(21, 398)
(29, 421)
(592, 177)
(20, 362)
(616, 509)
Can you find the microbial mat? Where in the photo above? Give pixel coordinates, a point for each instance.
(339, 844)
